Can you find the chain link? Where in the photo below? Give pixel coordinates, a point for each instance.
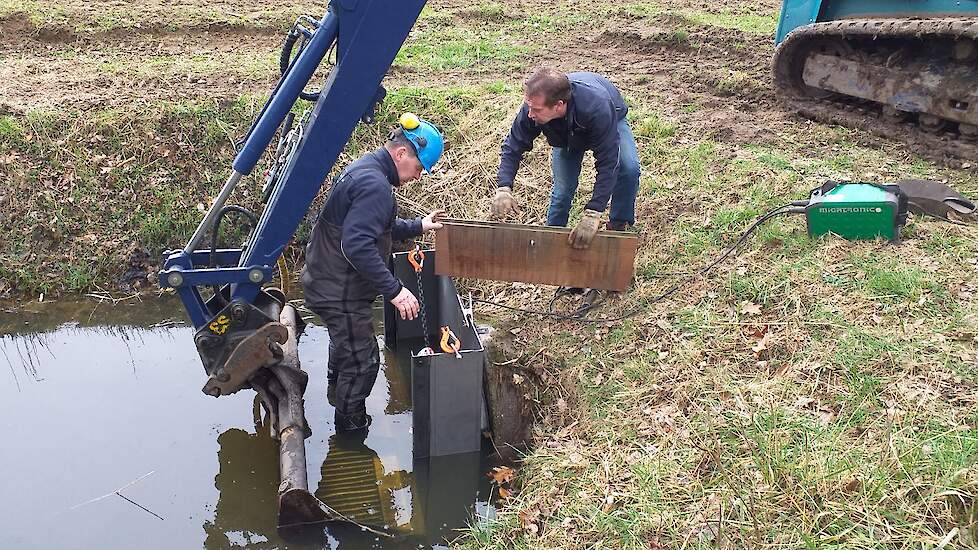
(424, 317)
(421, 301)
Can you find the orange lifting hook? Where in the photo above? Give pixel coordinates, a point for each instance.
(449, 342)
(416, 257)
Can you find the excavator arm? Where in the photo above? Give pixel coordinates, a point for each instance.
(245, 331)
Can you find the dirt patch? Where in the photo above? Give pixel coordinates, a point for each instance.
(17, 26)
(716, 81)
(95, 72)
(18, 30)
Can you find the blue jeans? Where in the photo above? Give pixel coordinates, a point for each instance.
(567, 174)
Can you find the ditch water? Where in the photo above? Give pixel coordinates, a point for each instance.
(94, 397)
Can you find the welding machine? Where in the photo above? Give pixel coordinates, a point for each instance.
(856, 211)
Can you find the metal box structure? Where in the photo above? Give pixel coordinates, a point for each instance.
(446, 388)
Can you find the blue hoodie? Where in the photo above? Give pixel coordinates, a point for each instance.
(591, 123)
(348, 252)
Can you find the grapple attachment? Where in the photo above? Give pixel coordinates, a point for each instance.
(255, 346)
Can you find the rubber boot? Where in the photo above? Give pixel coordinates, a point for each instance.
(349, 423)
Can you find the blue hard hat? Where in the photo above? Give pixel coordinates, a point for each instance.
(427, 140)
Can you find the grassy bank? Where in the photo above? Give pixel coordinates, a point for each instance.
(807, 394)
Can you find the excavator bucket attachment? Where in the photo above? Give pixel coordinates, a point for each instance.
(937, 199)
(248, 350)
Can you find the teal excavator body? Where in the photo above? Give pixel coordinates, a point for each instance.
(911, 64)
(798, 13)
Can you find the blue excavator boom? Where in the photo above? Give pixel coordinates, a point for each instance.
(246, 333)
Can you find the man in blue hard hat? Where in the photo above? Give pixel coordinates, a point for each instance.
(577, 112)
(346, 259)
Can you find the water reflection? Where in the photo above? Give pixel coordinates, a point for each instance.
(97, 402)
(247, 481)
(355, 485)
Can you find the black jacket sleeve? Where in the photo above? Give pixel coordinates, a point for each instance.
(406, 229)
(603, 126)
(371, 204)
(519, 141)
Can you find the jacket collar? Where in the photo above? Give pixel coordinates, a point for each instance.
(387, 166)
(571, 117)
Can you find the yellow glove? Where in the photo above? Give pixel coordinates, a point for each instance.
(585, 230)
(503, 203)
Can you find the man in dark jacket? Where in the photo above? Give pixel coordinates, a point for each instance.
(577, 112)
(346, 259)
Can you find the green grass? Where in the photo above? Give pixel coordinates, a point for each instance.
(136, 178)
(809, 393)
(748, 20)
(459, 50)
(76, 17)
(125, 171)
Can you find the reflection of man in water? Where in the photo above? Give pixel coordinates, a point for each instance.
(248, 486)
(354, 483)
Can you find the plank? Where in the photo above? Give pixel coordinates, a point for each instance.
(534, 254)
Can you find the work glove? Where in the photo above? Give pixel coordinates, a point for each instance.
(433, 221)
(407, 305)
(503, 203)
(585, 230)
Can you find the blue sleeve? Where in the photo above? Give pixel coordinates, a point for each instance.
(604, 135)
(518, 142)
(371, 204)
(406, 229)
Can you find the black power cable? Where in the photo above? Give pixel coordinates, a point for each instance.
(786, 209)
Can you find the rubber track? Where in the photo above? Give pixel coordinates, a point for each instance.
(854, 115)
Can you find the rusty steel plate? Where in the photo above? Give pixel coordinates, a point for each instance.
(534, 254)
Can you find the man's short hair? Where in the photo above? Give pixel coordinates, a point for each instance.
(553, 85)
(398, 139)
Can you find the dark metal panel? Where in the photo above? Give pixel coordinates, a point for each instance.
(448, 405)
(397, 329)
(446, 391)
(534, 254)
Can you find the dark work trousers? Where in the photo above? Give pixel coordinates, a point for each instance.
(354, 358)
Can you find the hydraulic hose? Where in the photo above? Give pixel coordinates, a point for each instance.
(215, 232)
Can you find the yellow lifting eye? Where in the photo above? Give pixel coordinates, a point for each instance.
(410, 121)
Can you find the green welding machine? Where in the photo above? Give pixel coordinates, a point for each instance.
(856, 211)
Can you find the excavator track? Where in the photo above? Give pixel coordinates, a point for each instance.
(859, 63)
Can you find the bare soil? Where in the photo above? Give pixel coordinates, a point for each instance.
(63, 66)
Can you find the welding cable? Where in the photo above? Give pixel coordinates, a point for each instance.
(786, 209)
(585, 306)
(794, 207)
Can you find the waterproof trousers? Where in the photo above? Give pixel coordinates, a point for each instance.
(354, 358)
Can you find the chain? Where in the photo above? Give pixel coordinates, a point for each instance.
(419, 266)
(424, 317)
